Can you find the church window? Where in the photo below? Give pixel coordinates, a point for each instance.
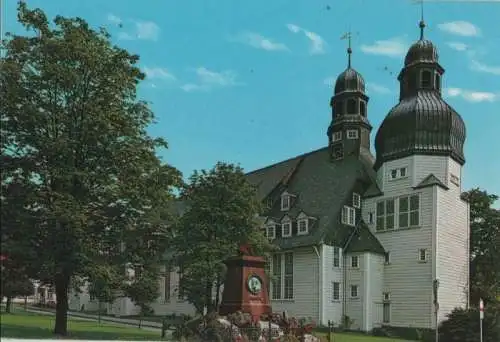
(356, 200)
(337, 136)
(355, 261)
(385, 215)
(426, 79)
(422, 255)
(398, 173)
(338, 152)
(412, 81)
(302, 226)
(285, 202)
(339, 107)
(354, 291)
(271, 231)
(370, 217)
(281, 269)
(336, 257)
(352, 134)
(454, 179)
(286, 227)
(402, 172)
(348, 216)
(386, 296)
(351, 106)
(362, 108)
(409, 213)
(387, 258)
(437, 81)
(335, 290)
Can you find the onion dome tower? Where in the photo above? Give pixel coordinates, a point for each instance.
(422, 122)
(349, 130)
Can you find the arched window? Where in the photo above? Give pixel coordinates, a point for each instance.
(426, 79)
(411, 82)
(339, 110)
(362, 108)
(438, 81)
(351, 106)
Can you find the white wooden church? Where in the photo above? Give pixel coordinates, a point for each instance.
(362, 236)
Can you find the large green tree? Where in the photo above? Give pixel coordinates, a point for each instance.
(75, 141)
(484, 246)
(222, 215)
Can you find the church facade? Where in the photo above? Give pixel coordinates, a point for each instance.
(365, 240)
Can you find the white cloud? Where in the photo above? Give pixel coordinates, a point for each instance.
(460, 28)
(394, 47)
(489, 69)
(472, 96)
(114, 19)
(457, 46)
(259, 42)
(159, 73)
(208, 79)
(143, 30)
(377, 88)
(318, 44)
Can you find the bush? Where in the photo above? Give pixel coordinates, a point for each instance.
(463, 325)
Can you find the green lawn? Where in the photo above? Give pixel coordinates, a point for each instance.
(351, 337)
(28, 325)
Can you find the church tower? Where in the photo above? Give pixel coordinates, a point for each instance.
(419, 216)
(349, 130)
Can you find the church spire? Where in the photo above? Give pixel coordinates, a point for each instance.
(348, 36)
(421, 24)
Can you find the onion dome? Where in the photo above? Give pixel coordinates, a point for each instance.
(349, 80)
(422, 122)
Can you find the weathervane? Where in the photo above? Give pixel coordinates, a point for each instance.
(348, 36)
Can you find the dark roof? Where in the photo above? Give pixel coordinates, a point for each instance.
(321, 187)
(430, 180)
(363, 240)
(350, 80)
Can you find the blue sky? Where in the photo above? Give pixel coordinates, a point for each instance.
(249, 82)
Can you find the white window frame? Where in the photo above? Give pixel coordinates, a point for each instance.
(335, 291)
(286, 222)
(385, 215)
(371, 215)
(387, 258)
(422, 252)
(409, 212)
(337, 136)
(454, 179)
(351, 288)
(386, 319)
(398, 173)
(271, 226)
(280, 277)
(336, 257)
(352, 134)
(348, 216)
(305, 221)
(356, 200)
(285, 202)
(386, 296)
(355, 265)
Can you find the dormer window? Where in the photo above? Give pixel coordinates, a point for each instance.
(286, 227)
(337, 136)
(352, 134)
(348, 216)
(271, 230)
(302, 224)
(356, 200)
(426, 79)
(285, 202)
(351, 106)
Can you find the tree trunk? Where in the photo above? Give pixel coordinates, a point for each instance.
(8, 304)
(217, 291)
(208, 295)
(62, 286)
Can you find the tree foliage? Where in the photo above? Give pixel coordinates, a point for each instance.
(222, 215)
(463, 325)
(484, 246)
(76, 148)
(14, 283)
(143, 288)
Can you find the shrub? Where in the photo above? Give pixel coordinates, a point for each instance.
(463, 325)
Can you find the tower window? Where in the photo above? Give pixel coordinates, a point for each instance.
(437, 81)
(339, 107)
(426, 79)
(351, 106)
(352, 134)
(362, 108)
(337, 136)
(338, 152)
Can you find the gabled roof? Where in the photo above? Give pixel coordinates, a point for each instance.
(430, 180)
(321, 185)
(363, 240)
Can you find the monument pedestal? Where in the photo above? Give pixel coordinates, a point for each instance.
(245, 288)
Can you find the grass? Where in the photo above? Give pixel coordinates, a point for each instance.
(353, 337)
(30, 325)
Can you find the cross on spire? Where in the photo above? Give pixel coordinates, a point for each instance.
(348, 36)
